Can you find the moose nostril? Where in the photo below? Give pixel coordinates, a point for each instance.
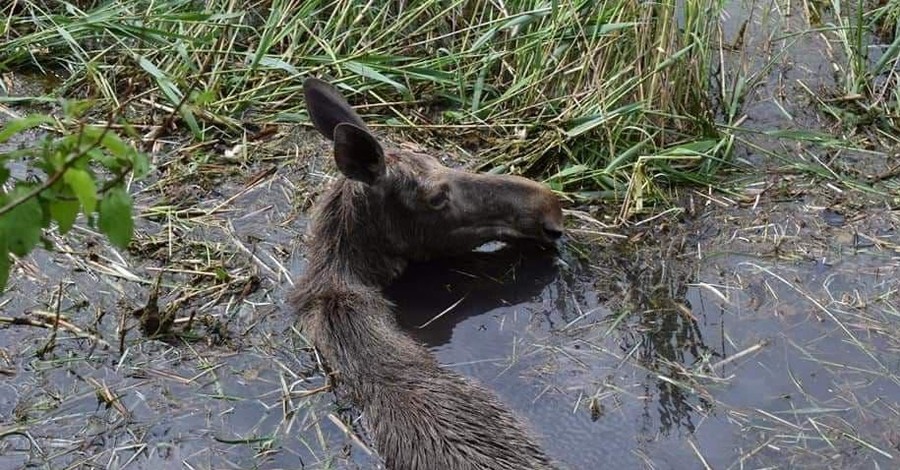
(552, 231)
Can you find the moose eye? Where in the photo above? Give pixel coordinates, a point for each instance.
(438, 199)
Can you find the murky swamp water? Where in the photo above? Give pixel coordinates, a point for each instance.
(751, 335)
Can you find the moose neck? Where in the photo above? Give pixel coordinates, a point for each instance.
(349, 242)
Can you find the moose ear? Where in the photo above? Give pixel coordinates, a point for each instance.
(327, 108)
(357, 154)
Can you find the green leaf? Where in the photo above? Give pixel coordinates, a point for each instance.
(801, 135)
(607, 28)
(571, 171)
(119, 152)
(141, 165)
(21, 227)
(369, 72)
(587, 123)
(278, 64)
(18, 125)
(887, 56)
(76, 108)
(521, 19)
(64, 213)
(83, 186)
(191, 121)
(115, 217)
(109, 140)
(173, 94)
(690, 149)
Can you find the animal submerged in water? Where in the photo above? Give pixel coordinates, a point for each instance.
(387, 209)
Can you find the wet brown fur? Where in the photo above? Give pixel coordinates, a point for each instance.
(365, 229)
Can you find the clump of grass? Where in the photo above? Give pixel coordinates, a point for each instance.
(602, 97)
(886, 19)
(870, 74)
(839, 127)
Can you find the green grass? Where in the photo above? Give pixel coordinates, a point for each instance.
(868, 100)
(602, 98)
(812, 89)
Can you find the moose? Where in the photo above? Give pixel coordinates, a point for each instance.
(387, 209)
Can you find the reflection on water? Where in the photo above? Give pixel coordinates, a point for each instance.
(538, 331)
(467, 286)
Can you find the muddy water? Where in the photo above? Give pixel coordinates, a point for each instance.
(735, 337)
(724, 354)
(511, 320)
(638, 356)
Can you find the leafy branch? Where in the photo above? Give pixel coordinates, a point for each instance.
(49, 182)
(76, 164)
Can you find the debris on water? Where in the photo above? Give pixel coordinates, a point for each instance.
(833, 217)
(155, 323)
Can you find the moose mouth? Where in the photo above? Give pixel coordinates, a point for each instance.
(487, 234)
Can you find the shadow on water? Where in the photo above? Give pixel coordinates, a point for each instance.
(469, 286)
(537, 329)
